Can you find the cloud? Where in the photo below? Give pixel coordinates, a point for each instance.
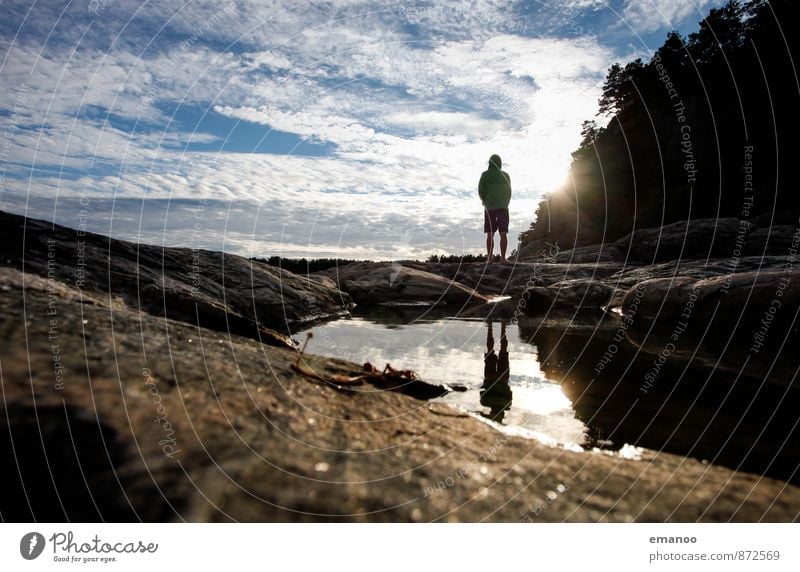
(444, 123)
(409, 100)
(525, 95)
(652, 15)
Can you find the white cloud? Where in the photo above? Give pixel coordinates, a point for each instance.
(445, 123)
(652, 15)
(410, 121)
(536, 93)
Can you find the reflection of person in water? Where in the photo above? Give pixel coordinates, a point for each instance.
(495, 393)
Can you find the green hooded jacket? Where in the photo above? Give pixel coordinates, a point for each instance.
(494, 188)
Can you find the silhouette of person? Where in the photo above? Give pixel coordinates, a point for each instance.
(494, 189)
(495, 392)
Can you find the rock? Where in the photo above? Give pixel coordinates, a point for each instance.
(580, 239)
(682, 405)
(581, 255)
(777, 217)
(176, 422)
(511, 279)
(701, 239)
(698, 269)
(695, 239)
(216, 290)
(778, 239)
(748, 318)
(592, 254)
(569, 295)
(393, 283)
(488, 279)
(733, 300)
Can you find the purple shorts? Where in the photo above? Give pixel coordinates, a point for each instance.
(494, 220)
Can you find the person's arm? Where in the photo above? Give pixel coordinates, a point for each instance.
(508, 179)
(482, 188)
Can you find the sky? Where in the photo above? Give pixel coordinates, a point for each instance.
(304, 129)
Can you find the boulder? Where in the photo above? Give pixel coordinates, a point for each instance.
(568, 295)
(739, 300)
(512, 278)
(592, 254)
(697, 269)
(213, 289)
(694, 239)
(393, 283)
(580, 241)
(603, 252)
(776, 239)
(702, 239)
(748, 318)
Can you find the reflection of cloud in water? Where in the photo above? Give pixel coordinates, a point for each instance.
(453, 351)
(541, 408)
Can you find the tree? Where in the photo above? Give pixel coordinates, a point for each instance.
(673, 55)
(721, 32)
(610, 101)
(589, 133)
(619, 90)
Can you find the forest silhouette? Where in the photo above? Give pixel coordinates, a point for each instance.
(706, 128)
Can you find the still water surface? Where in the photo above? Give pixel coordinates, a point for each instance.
(542, 380)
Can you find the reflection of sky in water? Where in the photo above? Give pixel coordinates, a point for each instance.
(452, 351)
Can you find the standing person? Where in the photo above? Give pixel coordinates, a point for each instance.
(494, 189)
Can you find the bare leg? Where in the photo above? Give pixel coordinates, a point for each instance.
(489, 245)
(503, 245)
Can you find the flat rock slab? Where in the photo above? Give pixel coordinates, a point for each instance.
(156, 419)
(394, 283)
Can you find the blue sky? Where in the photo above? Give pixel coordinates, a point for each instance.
(330, 128)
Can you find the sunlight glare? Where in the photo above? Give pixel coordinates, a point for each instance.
(543, 399)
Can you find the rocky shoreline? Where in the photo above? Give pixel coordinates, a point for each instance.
(149, 383)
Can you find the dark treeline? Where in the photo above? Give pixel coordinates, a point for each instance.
(707, 128)
(456, 258)
(302, 265)
(306, 266)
